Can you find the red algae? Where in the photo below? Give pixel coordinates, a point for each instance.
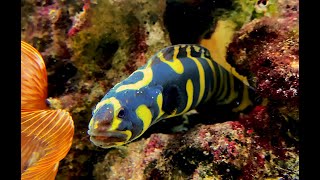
(258, 119)
(153, 144)
(222, 151)
(135, 161)
(267, 51)
(80, 20)
(137, 55)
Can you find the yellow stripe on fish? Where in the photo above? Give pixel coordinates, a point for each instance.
(201, 72)
(175, 80)
(175, 64)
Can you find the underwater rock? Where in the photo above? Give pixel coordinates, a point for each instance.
(132, 162)
(189, 21)
(223, 151)
(59, 73)
(266, 50)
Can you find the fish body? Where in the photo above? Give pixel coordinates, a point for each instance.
(46, 134)
(175, 80)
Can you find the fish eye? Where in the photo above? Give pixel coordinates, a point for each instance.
(121, 113)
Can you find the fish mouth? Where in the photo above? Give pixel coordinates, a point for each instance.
(108, 139)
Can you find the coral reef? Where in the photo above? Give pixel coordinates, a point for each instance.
(134, 162)
(266, 50)
(258, 145)
(219, 151)
(89, 46)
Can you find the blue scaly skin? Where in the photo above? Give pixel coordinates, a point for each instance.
(175, 80)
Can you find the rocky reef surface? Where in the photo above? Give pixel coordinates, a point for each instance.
(221, 151)
(89, 46)
(266, 50)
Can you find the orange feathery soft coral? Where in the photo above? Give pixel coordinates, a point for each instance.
(46, 135)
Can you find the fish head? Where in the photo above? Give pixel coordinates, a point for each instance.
(110, 125)
(121, 117)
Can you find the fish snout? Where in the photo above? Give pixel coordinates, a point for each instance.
(102, 126)
(102, 119)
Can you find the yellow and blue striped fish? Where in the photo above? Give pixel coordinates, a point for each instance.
(175, 80)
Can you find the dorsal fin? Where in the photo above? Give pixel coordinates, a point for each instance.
(196, 51)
